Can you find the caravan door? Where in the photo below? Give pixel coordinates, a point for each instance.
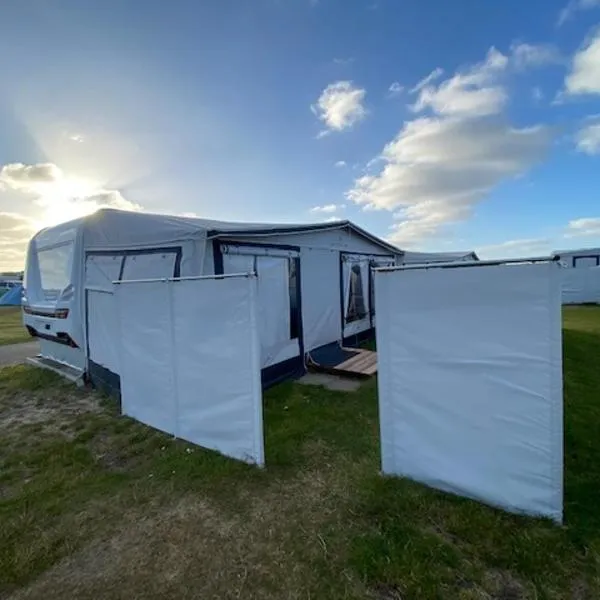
(358, 292)
(278, 294)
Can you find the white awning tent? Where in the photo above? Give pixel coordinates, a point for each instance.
(581, 275)
(470, 381)
(314, 282)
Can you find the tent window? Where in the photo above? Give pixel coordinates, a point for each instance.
(356, 299)
(293, 290)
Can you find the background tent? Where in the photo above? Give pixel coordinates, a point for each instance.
(12, 297)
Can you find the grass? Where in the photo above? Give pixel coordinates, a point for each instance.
(11, 326)
(96, 505)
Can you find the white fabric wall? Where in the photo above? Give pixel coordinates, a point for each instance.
(321, 319)
(580, 285)
(273, 304)
(102, 324)
(190, 362)
(470, 382)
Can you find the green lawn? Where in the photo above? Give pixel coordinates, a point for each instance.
(93, 505)
(11, 326)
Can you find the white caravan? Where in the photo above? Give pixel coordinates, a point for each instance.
(581, 277)
(315, 283)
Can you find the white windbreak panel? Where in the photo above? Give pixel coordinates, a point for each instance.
(146, 370)
(190, 361)
(470, 382)
(101, 270)
(149, 265)
(218, 366)
(103, 329)
(320, 297)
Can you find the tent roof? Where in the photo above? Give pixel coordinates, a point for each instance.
(580, 251)
(428, 257)
(122, 228)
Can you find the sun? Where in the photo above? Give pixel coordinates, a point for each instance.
(67, 199)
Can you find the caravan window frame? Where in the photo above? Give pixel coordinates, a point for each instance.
(576, 258)
(70, 244)
(177, 250)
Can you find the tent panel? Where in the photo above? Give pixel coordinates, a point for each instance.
(102, 269)
(103, 329)
(470, 384)
(218, 366)
(320, 297)
(149, 265)
(273, 304)
(146, 368)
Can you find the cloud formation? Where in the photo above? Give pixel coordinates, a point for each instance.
(439, 167)
(586, 227)
(524, 56)
(395, 89)
(340, 106)
(584, 74)
(588, 137)
(573, 7)
(472, 92)
(327, 208)
(33, 196)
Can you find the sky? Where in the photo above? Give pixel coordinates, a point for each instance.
(437, 125)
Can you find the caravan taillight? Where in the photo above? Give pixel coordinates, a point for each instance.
(60, 313)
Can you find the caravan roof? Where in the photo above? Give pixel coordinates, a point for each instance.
(117, 228)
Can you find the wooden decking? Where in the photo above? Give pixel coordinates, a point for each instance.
(361, 363)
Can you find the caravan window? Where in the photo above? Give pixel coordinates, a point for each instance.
(55, 268)
(356, 298)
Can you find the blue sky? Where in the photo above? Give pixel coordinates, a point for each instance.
(307, 110)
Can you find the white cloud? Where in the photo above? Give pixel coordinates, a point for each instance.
(586, 227)
(584, 76)
(435, 74)
(436, 170)
(516, 249)
(574, 6)
(525, 56)
(343, 61)
(15, 232)
(395, 89)
(473, 92)
(327, 208)
(588, 137)
(340, 163)
(537, 94)
(340, 105)
(20, 176)
(332, 219)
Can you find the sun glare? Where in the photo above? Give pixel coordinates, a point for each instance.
(65, 200)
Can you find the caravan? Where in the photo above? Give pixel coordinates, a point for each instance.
(315, 282)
